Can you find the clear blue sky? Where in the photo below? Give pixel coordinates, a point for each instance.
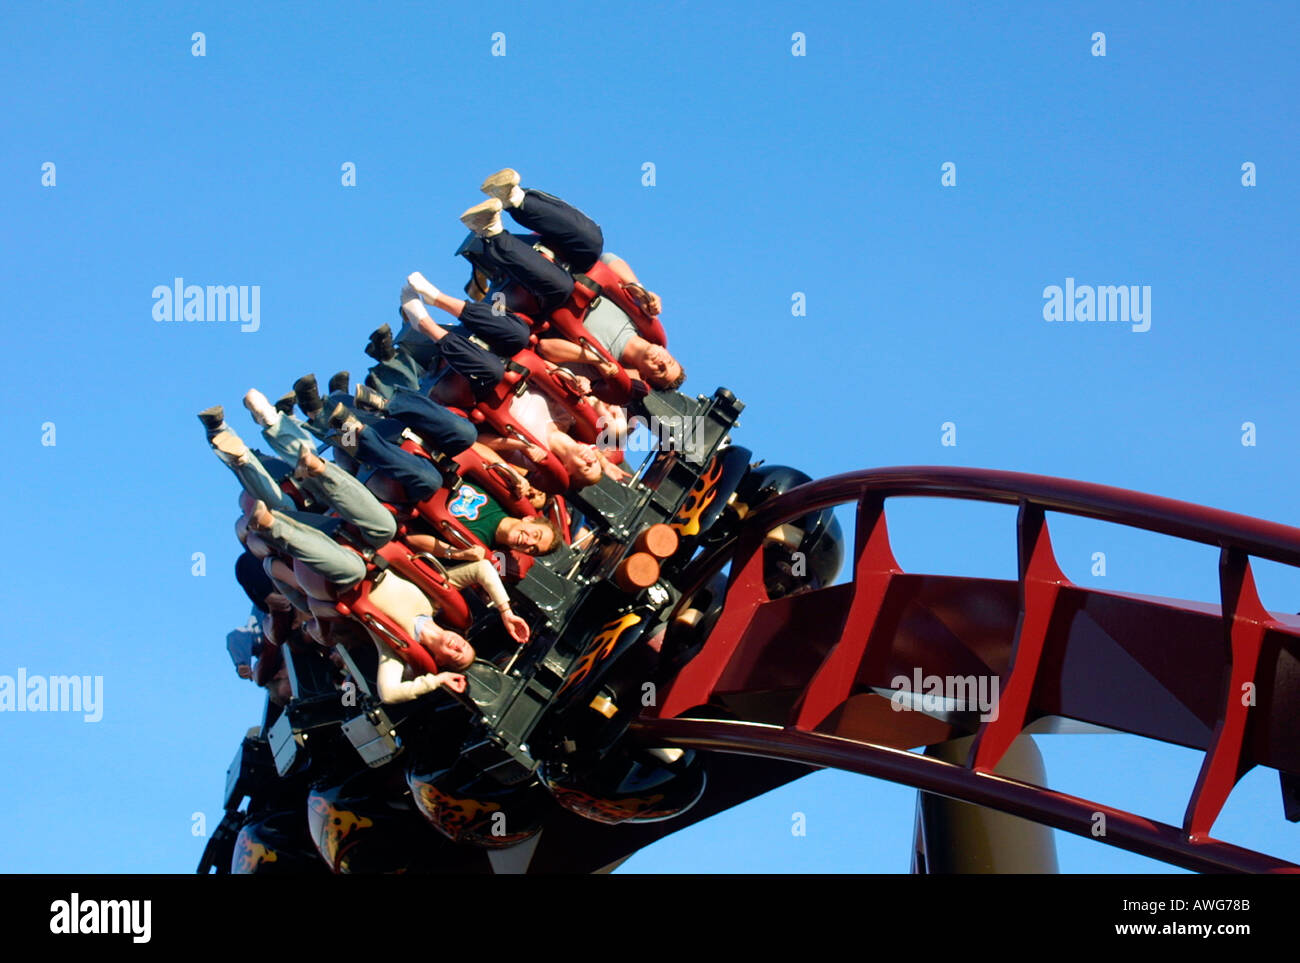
(774, 174)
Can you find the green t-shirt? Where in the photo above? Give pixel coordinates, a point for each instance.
(478, 511)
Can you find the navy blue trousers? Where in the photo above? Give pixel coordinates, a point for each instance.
(574, 237)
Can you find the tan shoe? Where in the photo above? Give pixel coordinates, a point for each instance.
(504, 186)
(370, 399)
(484, 219)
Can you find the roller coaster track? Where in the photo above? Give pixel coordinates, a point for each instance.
(806, 678)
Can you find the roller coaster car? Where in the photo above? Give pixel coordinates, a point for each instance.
(555, 718)
(275, 843)
(270, 836)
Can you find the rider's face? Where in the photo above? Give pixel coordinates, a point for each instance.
(661, 368)
(530, 538)
(451, 651)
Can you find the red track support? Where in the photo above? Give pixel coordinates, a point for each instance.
(1245, 622)
(1040, 583)
(746, 593)
(876, 567)
(1157, 693)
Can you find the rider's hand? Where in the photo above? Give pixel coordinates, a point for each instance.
(451, 680)
(516, 626)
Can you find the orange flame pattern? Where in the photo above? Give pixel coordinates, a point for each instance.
(335, 825)
(687, 519)
(599, 649)
(250, 855)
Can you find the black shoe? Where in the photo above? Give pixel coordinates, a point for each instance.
(214, 419)
(286, 403)
(340, 383)
(308, 396)
(374, 384)
(381, 344)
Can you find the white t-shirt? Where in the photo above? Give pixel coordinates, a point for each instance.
(535, 410)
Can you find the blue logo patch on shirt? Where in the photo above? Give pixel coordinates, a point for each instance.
(467, 503)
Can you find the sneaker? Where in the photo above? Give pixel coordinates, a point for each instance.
(484, 219)
(340, 382)
(413, 309)
(504, 186)
(381, 344)
(284, 404)
(342, 417)
(370, 399)
(262, 411)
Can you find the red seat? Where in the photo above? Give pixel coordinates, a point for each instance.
(356, 603)
(567, 320)
(494, 411)
(427, 574)
(647, 325)
(487, 475)
(558, 385)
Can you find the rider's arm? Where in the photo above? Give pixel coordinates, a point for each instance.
(484, 575)
(389, 679)
(561, 351)
(440, 549)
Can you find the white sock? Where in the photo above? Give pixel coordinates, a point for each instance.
(412, 307)
(516, 198)
(422, 286)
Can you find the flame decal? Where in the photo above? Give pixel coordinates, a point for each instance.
(599, 649)
(461, 818)
(249, 855)
(610, 811)
(452, 812)
(687, 520)
(333, 827)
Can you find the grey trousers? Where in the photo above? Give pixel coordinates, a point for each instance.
(257, 481)
(317, 550)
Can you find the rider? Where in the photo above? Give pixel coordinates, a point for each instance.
(576, 240)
